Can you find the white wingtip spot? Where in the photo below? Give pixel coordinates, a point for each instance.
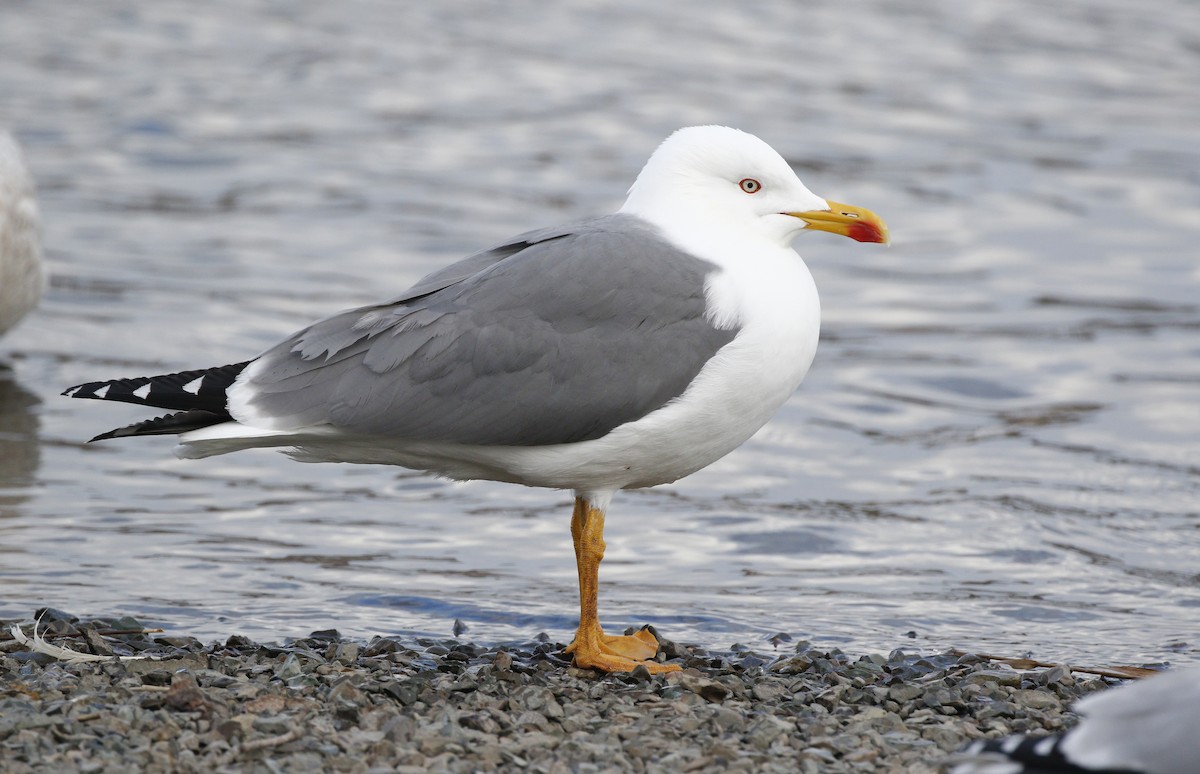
(102, 392)
(194, 385)
(71, 392)
(142, 391)
(1009, 745)
(1045, 747)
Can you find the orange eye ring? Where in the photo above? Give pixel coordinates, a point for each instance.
(750, 185)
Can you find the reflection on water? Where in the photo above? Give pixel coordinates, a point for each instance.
(996, 447)
(19, 448)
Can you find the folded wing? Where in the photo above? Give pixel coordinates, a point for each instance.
(558, 336)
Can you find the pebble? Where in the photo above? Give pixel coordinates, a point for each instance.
(326, 703)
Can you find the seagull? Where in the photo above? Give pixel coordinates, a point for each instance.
(22, 278)
(1146, 727)
(620, 352)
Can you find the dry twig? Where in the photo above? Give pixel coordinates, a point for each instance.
(1122, 672)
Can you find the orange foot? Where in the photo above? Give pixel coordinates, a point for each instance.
(594, 649)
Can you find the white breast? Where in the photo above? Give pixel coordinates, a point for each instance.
(776, 307)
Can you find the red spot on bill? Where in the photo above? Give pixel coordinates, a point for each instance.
(866, 231)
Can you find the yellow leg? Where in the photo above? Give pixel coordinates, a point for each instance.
(592, 647)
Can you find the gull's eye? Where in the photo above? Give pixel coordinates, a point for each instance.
(750, 185)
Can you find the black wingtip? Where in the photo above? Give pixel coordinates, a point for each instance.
(200, 389)
(168, 424)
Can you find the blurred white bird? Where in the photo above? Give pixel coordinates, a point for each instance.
(22, 277)
(1151, 726)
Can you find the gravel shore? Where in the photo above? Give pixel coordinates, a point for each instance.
(327, 703)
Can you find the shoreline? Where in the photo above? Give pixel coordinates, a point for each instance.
(329, 703)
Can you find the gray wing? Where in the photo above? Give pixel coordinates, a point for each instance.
(558, 336)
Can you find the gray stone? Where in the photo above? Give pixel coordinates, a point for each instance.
(903, 693)
(766, 730)
(994, 677)
(769, 691)
(273, 724)
(1036, 699)
(289, 668)
(346, 653)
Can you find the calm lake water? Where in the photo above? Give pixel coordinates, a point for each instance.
(997, 447)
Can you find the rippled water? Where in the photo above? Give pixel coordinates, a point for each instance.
(996, 448)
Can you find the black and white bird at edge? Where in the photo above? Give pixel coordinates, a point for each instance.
(1149, 726)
